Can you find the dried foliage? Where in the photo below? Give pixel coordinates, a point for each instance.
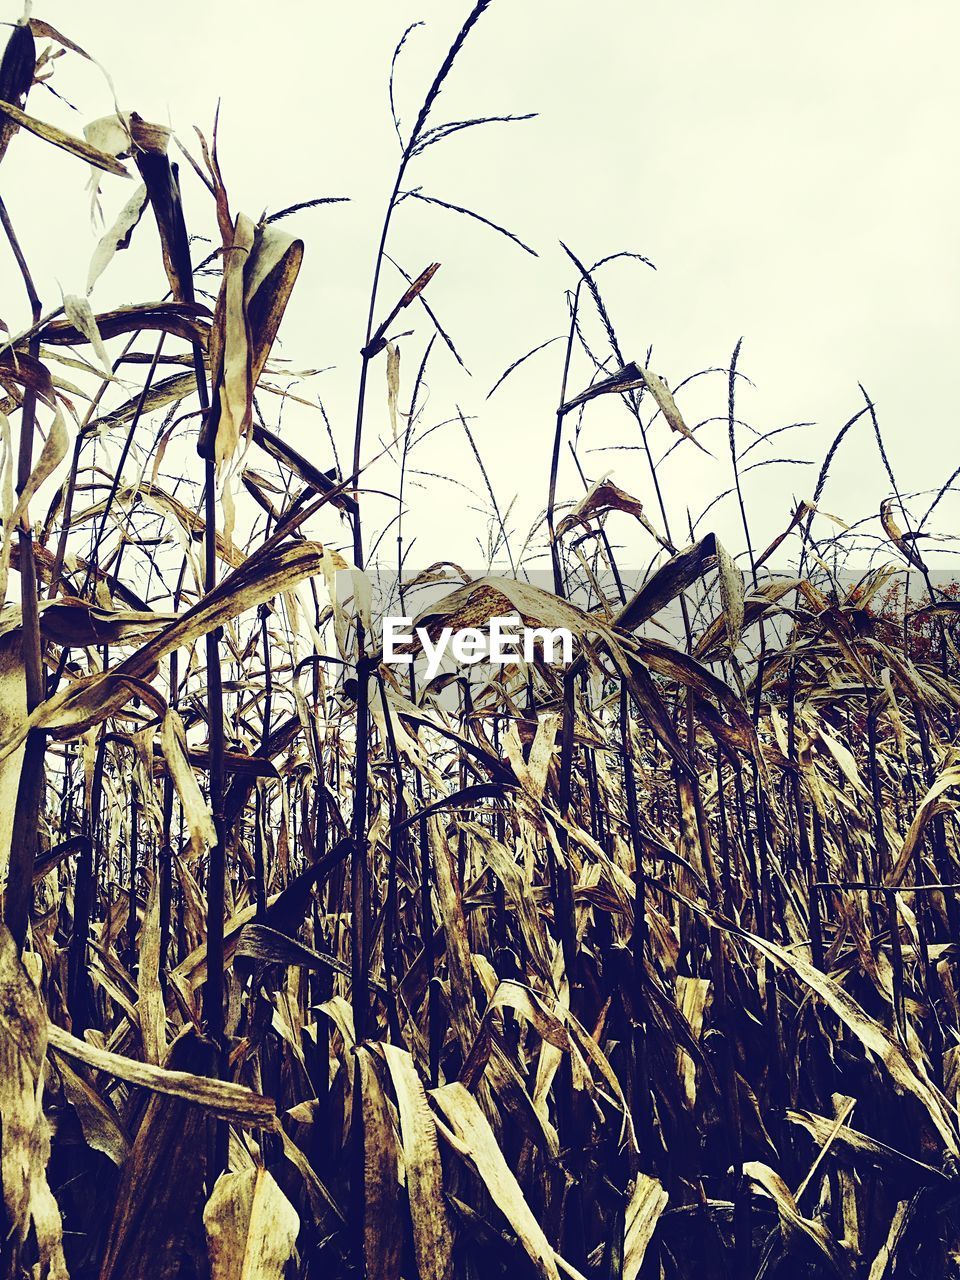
(639, 969)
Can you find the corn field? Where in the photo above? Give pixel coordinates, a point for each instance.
(638, 968)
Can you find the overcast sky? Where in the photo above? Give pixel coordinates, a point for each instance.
(790, 169)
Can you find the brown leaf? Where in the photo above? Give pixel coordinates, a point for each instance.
(65, 141)
(731, 594)
(602, 497)
(157, 1227)
(262, 265)
(117, 236)
(897, 537)
(626, 379)
(473, 1139)
(432, 1233)
(678, 573)
(453, 920)
(101, 1126)
(302, 467)
(13, 712)
(90, 700)
(25, 1135)
(647, 1202)
(906, 1075)
(668, 407)
(219, 1097)
(792, 1221)
(150, 1004)
(393, 384)
(188, 320)
(251, 1227)
(382, 1225)
(864, 1150)
(196, 811)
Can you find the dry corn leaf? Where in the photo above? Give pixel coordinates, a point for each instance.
(220, 1097)
(117, 237)
(196, 810)
(78, 312)
(432, 1233)
(647, 1202)
(25, 1134)
(17, 72)
(13, 712)
(163, 392)
(151, 1010)
(949, 777)
(904, 1074)
(885, 1262)
(188, 320)
(382, 1223)
(792, 1221)
(898, 538)
(234, 382)
(663, 586)
(393, 384)
(453, 920)
(602, 497)
(862, 1149)
(626, 379)
(731, 594)
(668, 407)
(65, 141)
(90, 700)
(157, 1227)
(473, 1139)
(34, 376)
(101, 1126)
(262, 265)
(251, 1227)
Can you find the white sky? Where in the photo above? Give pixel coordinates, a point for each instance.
(790, 169)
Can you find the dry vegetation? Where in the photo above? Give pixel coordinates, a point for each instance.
(644, 968)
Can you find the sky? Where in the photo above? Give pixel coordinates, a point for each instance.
(790, 170)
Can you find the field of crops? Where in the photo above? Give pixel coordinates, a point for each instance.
(640, 968)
